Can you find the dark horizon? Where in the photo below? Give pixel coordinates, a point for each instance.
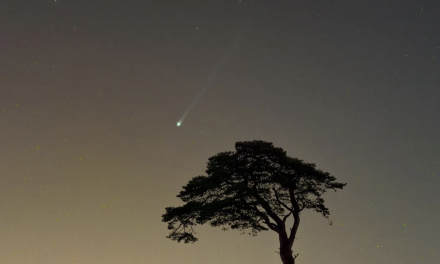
(91, 92)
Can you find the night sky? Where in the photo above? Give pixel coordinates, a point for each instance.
(91, 154)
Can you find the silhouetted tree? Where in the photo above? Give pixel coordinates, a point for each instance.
(256, 187)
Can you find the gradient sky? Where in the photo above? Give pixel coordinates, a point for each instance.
(90, 93)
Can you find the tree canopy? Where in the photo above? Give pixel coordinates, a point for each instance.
(256, 187)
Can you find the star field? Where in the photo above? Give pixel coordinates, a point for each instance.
(91, 153)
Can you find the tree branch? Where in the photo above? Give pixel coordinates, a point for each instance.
(295, 226)
(265, 219)
(267, 207)
(269, 211)
(285, 217)
(282, 203)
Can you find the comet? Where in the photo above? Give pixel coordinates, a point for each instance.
(205, 87)
(211, 78)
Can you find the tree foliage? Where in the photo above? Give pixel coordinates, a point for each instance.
(256, 187)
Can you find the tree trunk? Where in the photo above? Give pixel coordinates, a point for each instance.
(286, 250)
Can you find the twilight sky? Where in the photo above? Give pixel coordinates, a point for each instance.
(91, 91)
